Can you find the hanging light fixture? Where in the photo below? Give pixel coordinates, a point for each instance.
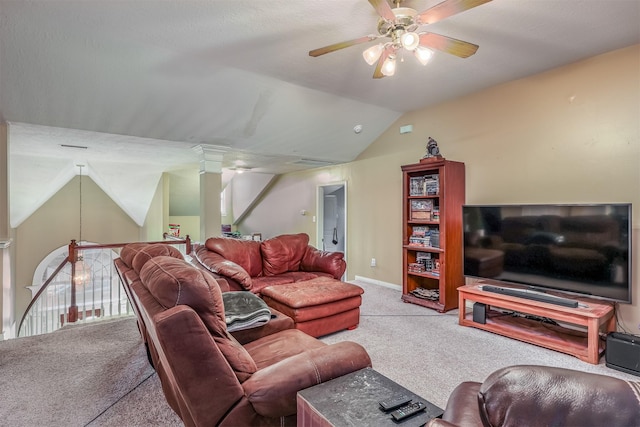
(81, 270)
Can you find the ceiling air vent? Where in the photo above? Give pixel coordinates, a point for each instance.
(312, 163)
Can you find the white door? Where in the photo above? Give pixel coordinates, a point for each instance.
(332, 218)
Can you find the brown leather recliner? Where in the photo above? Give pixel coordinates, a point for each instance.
(532, 396)
(208, 377)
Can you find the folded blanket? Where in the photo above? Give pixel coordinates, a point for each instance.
(244, 310)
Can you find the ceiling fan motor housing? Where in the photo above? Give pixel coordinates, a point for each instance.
(404, 21)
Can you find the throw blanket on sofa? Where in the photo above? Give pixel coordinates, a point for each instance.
(244, 310)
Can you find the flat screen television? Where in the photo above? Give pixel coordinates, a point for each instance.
(577, 249)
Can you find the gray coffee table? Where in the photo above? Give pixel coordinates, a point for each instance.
(352, 400)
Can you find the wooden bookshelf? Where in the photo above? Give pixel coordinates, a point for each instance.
(433, 195)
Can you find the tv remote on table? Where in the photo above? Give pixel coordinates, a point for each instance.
(408, 410)
(394, 402)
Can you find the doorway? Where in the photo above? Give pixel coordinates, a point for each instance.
(332, 218)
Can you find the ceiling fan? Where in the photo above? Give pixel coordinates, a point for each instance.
(400, 27)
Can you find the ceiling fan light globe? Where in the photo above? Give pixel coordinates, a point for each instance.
(372, 54)
(423, 54)
(388, 66)
(410, 40)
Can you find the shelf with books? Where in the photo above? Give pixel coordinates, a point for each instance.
(433, 195)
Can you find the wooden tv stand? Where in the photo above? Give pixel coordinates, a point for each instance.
(590, 314)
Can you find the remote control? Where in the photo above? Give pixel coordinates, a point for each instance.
(394, 402)
(408, 410)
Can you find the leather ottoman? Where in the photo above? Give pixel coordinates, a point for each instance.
(318, 306)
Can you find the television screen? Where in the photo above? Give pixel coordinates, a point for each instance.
(580, 249)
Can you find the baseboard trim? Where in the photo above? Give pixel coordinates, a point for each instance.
(379, 283)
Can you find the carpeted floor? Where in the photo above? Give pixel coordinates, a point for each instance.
(98, 374)
(430, 354)
(76, 375)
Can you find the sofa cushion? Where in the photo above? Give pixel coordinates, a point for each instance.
(260, 283)
(129, 251)
(245, 253)
(283, 253)
(301, 276)
(173, 282)
(271, 349)
(153, 250)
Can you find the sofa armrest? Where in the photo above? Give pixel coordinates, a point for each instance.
(218, 264)
(272, 391)
(327, 262)
(557, 396)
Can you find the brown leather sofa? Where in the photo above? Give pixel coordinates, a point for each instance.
(208, 377)
(533, 396)
(133, 257)
(251, 265)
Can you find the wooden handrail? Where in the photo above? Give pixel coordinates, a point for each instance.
(41, 290)
(72, 258)
(186, 241)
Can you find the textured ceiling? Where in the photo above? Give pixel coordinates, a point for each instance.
(139, 83)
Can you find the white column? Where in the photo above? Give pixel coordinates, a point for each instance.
(211, 157)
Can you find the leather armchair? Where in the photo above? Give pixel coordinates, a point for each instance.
(208, 377)
(543, 396)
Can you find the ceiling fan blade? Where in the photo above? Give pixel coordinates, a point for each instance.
(341, 45)
(447, 44)
(384, 9)
(377, 74)
(446, 9)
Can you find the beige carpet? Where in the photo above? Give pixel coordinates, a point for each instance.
(98, 374)
(76, 375)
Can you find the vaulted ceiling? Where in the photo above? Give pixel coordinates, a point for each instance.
(140, 83)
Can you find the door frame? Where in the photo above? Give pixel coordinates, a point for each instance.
(320, 193)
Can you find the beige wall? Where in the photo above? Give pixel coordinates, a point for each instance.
(152, 230)
(57, 221)
(571, 135)
(189, 225)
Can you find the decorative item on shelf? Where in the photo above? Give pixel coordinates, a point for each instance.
(174, 230)
(432, 152)
(430, 294)
(435, 214)
(416, 267)
(424, 258)
(420, 231)
(421, 209)
(432, 185)
(436, 267)
(420, 241)
(435, 238)
(416, 186)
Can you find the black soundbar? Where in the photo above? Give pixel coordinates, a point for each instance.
(532, 295)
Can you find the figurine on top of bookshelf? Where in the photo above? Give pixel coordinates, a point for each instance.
(433, 152)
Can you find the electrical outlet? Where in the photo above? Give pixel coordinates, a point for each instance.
(373, 262)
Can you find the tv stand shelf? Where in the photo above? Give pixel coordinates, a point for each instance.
(590, 314)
